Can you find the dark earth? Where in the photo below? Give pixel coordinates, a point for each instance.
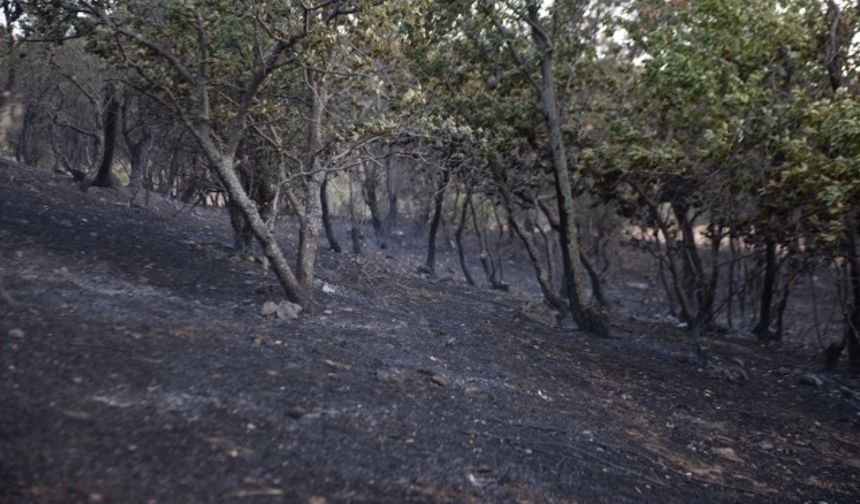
(137, 367)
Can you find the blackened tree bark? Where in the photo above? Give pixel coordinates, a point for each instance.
(762, 327)
(488, 264)
(586, 315)
(384, 232)
(541, 272)
(355, 231)
(138, 148)
(371, 198)
(104, 176)
(326, 217)
(438, 200)
(461, 227)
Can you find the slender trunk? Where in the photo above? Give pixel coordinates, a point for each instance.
(22, 154)
(459, 236)
(693, 276)
(224, 165)
(138, 163)
(371, 198)
(486, 261)
(310, 224)
(310, 227)
(852, 326)
(104, 177)
(731, 286)
(762, 327)
(326, 217)
(596, 286)
(137, 149)
(387, 224)
(586, 316)
(779, 333)
(355, 232)
(438, 199)
(496, 255)
(742, 295)
(544, 281)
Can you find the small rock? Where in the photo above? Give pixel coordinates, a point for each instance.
(390, 375)
(477, 393)
(441, 380)
(811, 379)
(727, 453)
(638, 285)
(269, 307)
(288, 310)
(328, 289)
(296, 413)
(16, 333)
(766, 445)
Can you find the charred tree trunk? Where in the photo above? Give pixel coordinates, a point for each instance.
(693, 276)
(762, 327)
(851, 335)
(594, 276)
(587, 316)
(387, 224)
(104, 176)
(224, 165)
(242, 233)
(354, 230)
(461, 227)
(22, 147)
(137, 149)
(438, 199)
(487, 262)
(371, 199)
(326, 217)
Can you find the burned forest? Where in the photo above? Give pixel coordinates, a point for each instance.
(515, 251)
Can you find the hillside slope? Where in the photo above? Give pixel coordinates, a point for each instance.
(136, 367)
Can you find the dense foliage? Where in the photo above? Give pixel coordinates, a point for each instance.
(723, 136)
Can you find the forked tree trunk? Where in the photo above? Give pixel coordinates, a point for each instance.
(371, 199)
(487, 262)
(224, 165)
(461, 226)
(438, 199)
(137, 150)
